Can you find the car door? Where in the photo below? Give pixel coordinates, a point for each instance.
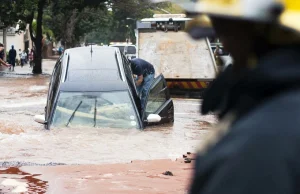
(131, 83)
(53, 88)
(158, 101)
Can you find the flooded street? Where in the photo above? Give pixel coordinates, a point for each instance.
(27, 143)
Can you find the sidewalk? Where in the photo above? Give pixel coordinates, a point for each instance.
(138, 177)
(47, 67)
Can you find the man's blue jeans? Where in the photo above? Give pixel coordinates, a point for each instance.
(144, 87)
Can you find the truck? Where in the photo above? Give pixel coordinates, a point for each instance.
(188, 65)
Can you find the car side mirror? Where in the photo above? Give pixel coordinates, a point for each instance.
(153, 118)
(40, 119)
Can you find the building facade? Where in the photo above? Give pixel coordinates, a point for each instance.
(21, 40)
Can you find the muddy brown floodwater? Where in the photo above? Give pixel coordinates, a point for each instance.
(24, 142)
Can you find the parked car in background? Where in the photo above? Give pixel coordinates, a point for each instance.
(94, 87)
(128, 49)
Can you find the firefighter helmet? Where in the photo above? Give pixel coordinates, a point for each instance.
(284, 13)
(200, 27)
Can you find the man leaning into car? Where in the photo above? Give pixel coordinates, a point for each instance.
(145, 75)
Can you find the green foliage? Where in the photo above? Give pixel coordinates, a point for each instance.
(169, 7)
(14, 11)
(91, 20)
(47, 32)
(119, 28)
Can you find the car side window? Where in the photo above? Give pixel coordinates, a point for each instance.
(55, 79)
(158, 95)
(47, 108)
(127, 69)
(130, 80)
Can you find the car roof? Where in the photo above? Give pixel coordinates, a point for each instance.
(128, 45)
(101, 64)
(107, 86)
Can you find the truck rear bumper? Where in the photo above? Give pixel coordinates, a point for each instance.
(188, 84)
(187, 88)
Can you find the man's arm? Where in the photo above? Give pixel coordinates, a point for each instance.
(3, 63)
(139, 81)
(139, 73)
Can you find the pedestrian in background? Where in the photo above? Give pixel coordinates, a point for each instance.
(60, 50)
(12, 54)
(31, 58)
(217, 53)
(255, 147)
(27, 55)
(23, 58)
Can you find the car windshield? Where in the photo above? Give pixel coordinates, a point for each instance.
(95, 109)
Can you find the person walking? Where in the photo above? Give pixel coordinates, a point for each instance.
(255, 147)
(145, 73)
(217, 53)
(12, 54)
(60, 50)
(23, 58)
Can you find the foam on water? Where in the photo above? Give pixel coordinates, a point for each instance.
(23, 140)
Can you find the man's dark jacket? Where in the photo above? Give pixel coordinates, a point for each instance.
(260, 154)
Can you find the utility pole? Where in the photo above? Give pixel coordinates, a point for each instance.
(4, 42)
(4, 38)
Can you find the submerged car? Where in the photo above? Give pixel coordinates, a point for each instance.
(94, 87)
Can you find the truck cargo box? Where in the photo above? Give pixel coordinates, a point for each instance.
(176, 55)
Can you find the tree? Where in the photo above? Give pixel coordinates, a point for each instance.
(10, 14)
(23, 12)
(37, 39)
(67, 14)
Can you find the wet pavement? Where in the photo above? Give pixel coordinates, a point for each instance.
(14, 180)
(136, 177)
(26, 143)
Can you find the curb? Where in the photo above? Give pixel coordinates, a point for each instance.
(28, 74)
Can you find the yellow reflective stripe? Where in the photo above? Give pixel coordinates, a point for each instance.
(185, 85)
(194, 85)
(203, 84)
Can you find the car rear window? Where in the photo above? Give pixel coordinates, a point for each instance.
(93, 75)
(98, 59)
(101, 64)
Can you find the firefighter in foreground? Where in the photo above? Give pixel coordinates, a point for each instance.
(256, 146)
